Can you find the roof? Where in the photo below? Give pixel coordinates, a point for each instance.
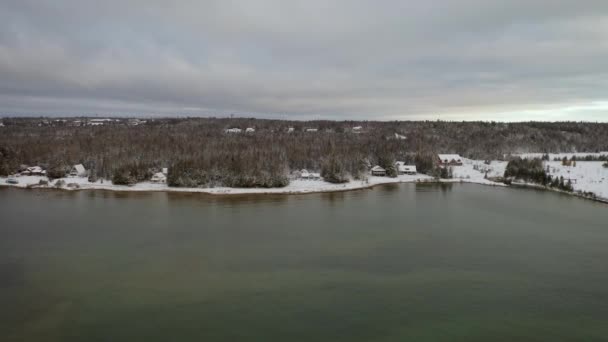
(450, 157)
(378, 168)
(79, 168)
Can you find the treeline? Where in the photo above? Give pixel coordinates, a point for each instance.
(198, 151)
(532, 170)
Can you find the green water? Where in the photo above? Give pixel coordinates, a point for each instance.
(397, 263)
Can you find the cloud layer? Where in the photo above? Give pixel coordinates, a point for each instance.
(340, 59)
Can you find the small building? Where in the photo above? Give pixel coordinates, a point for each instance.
(78, 171)
(400, 136)
(378, 171)
(311, 130)
(159, 177)
(165, 171)
(234, 130)
(449, 160)
(403, 169)
(250, 130)
(290, 130)
(304, 174)
(34, 171)
(357, 129)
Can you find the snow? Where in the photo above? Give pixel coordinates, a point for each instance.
(589, 176)
(474, 171)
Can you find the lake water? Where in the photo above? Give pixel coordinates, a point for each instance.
(397, 263)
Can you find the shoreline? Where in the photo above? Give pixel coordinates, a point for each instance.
(283, 191)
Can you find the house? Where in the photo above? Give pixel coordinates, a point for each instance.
(400, 136)
(357, 129)
(311, 130)
(34, 171)
(249, 130)
(159, 177)
(78, 171)
(234, 130)
(290, 130)
(403, 169)
(304, 174)
(449, 160)
(378, 171)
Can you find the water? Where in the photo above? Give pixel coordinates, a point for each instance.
(397, 263)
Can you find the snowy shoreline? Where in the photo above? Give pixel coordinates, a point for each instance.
(591, 177)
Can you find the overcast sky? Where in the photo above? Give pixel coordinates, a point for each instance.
(315, 59)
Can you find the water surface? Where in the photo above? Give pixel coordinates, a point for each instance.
(396, 263)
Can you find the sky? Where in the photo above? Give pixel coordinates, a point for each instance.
(500, 60)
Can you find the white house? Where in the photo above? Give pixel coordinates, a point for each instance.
(234, 130)
(290, 130)
(312, 130)
(449, 160)
(378, 171)
(78, 171)
(400, 136)
(403, 169)
(357, 129)
(159, 177)
(249, 130)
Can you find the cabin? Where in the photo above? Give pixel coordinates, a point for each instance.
(357, 129)
(403, 169)
(378, 171)
(33, 171)
(78, 171)
(250, 130)
(159, 177)
(304, 174)
(234, 130)
(290, 130)
(449, 160)
(311, 130)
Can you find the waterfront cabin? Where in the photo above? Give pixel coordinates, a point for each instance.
(403, 169)
(449, 160)
(378, 171)
(34, 171)
(78, 171)
(159, 177)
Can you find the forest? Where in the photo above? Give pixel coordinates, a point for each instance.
(199, 151)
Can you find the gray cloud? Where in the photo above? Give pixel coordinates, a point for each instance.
(466, 59)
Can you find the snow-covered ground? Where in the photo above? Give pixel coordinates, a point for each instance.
(589, 176)
(474, 171)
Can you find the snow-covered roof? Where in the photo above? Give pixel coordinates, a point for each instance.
(250, 129)
(159, 175)
(407, 168)
(378, 168)
(234, 130)
(450, 157)
(79, 168)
